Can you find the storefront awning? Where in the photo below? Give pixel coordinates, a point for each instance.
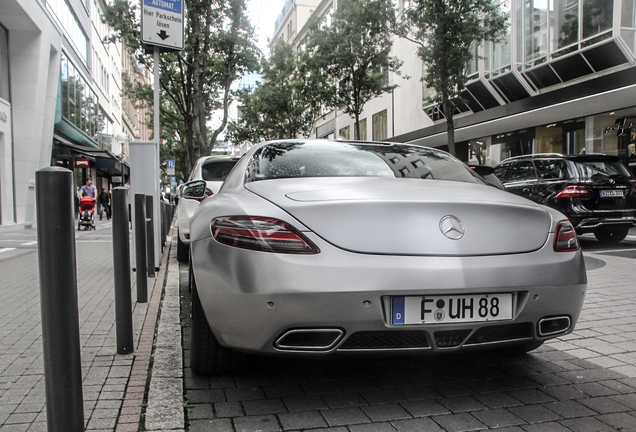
(103, 159)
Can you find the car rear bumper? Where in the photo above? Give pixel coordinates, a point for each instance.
(589, 225)
(252, 300)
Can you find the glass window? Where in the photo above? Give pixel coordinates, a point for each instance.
(597, 16)
(379, 126)
(345, 132)
(536, 29)
(522, 171)
(501, 172)
(501, 50)
(564, 18)
(217, 170)
(80, 105)
(628, 14)
(551, 169)
(593, 170)
(339, 159)
(363, 131)
(69, 23)
(4, 64)
(549, 139)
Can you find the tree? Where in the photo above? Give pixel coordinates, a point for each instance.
(285, 105)
(354, 52)
(219, 47)
(224, 49)
(445, 30)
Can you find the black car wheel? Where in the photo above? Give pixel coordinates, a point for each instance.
(611, 235)
(183, 250)
(207, 356)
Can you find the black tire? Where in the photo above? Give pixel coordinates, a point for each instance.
(183, 250)
(207, 356)
(611, 235)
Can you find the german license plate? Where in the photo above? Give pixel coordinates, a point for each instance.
(451, 309)
(612, 193)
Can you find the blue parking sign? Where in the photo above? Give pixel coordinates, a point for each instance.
(170, 164)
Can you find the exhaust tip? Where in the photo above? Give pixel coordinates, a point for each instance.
(309, 339)
(554, 325)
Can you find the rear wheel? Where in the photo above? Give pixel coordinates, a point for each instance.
(183, 250)
(611, 234)
(207, 356)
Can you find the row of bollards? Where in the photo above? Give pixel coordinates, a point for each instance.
(58, 285)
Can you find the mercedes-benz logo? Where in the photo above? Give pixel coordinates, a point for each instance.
(452, 227)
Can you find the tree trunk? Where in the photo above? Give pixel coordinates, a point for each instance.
(450, 126)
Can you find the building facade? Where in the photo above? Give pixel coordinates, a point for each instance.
(563, 80)
(60, 100)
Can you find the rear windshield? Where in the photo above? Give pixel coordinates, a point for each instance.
(344, 159)
(592, 170)
(217, 170)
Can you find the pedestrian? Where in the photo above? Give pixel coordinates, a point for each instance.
(88, 189)
(104, 204)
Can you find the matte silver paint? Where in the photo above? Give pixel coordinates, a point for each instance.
(376, 241)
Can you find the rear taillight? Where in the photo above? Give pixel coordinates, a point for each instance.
(261, 234)
(565, 239)
(208, 192)
(574, 192)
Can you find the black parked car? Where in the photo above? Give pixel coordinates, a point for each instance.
(596, 192)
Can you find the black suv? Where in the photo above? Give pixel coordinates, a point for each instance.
(596, 192)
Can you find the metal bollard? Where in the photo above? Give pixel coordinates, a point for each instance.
(140, 248)
(121, 267)
(58, 299)
(150, 236)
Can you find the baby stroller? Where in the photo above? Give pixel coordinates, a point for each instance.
(86, 214)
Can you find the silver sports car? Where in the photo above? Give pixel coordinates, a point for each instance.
(321, 247)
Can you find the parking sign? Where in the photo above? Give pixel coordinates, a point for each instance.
(170, 165)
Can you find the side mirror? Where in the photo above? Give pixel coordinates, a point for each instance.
(194, 190)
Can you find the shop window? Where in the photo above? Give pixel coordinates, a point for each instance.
(345, 132)
(379, 126)
(549, 139)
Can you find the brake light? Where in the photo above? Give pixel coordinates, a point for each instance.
(574, 192)
(565, 239)
(261, 234)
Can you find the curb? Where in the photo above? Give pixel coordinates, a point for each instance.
(164, 409)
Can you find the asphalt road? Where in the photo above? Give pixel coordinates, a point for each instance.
(585, 381)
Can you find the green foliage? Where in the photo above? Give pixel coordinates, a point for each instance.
(121, 16)
(285, 105)
(445, 31)
(218, 48)
(354, 52)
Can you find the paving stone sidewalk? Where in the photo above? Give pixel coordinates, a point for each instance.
(114, 385)
(583, 382)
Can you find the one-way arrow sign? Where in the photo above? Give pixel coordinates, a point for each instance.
(162, 23)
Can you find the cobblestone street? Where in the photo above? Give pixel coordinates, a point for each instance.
(585, 381)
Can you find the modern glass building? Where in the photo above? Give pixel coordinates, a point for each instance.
(563, 80)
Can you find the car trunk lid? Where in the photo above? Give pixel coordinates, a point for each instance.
(410, 216)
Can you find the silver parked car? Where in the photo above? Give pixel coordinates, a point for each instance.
(321, 247)
(214, 170)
